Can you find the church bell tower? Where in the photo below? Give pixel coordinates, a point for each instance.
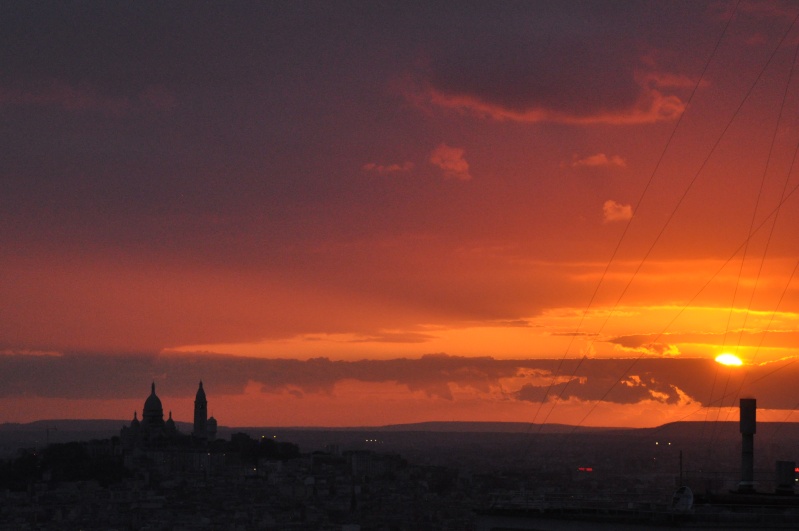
(200, 414)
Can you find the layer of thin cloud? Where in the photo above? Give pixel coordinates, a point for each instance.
(436, 376)
(26, 352)
(766, 10)
(598, 160)
(85, 98)
(653, 106)
(451, 161)
(615, 211)
(670, 80)
(647, 344)
(395, 337)
(381, 169)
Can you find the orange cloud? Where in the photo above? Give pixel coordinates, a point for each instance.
(451, 161)
(600, 159)
(653, 106)
(613, 211)
(389, 169)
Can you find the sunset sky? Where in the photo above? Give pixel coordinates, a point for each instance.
(365, 213)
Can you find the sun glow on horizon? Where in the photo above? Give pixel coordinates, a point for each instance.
(729, 359)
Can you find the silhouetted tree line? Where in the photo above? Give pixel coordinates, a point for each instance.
(61, 462)
(251, 450)
(16, 474)
(97, 460)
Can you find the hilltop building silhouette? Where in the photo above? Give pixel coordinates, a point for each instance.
(204, 427)
(153, 429)
(153, 414)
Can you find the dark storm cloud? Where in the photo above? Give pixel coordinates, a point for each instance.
(540, 62)
(622, 381)
(651, 343)
(103, 376)
(632, 341)
(150, 123)
(541, 71)
(125, 119)
(593, 390)
(666, 380)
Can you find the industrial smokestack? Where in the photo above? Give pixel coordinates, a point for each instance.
(748, 409)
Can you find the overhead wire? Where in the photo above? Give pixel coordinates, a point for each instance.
(763, 256)
(684, 307)
(677, 206)
(774, 223)
(622, 237)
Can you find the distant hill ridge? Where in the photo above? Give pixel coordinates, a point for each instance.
(482, 427)
(74, 425)
(112, 427)
(401, 437)
(59, 430)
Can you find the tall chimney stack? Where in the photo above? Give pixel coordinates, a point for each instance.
(748, 410)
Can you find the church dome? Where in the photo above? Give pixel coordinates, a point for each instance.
(153, 405)
(170, 425)
(153, 414)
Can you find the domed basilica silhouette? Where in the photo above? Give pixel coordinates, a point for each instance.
(152, 428)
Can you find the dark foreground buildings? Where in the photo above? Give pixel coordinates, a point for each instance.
(154, 477)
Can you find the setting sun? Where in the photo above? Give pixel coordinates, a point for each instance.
(729, 359)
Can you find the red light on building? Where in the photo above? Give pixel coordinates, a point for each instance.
(586, 469)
